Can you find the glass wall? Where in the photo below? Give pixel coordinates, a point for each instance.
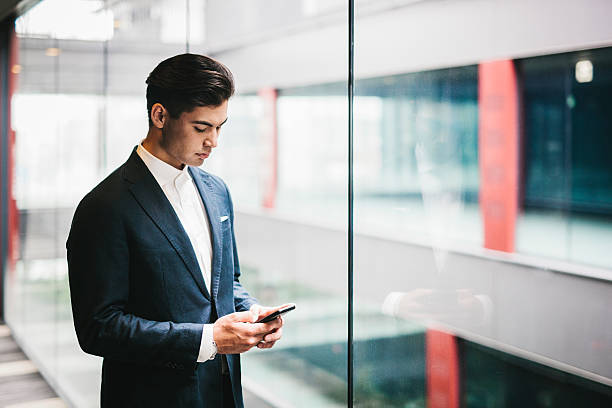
(80, 109)
(482, 188)
(77, 113)
(567, 174)
(57, 118)
(285, 161)
(395, 118)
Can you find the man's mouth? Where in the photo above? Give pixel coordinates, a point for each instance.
(203, 155)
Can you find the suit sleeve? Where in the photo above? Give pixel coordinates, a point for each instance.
(242, 300)
(99, 276)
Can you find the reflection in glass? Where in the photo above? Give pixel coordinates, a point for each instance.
(440, 320)
(568, 178)
(466, 165)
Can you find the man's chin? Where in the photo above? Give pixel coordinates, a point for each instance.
(197, 162)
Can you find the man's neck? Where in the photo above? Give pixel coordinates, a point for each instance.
(153, 146)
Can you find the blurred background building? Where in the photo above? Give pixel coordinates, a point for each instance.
(482, 262)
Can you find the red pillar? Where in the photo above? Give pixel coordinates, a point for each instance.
(498, 147)
(8, 213)
(13, 213)
(442, 368)
(270, 143)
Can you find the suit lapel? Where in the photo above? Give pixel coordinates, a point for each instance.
(154, 202)
(208, 198)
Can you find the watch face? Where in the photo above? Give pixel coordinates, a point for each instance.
(214, 348)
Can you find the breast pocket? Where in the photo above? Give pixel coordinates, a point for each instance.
(225, 226)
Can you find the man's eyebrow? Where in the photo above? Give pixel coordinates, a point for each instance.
(203, 122)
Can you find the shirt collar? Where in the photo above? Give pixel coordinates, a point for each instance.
(163, 172)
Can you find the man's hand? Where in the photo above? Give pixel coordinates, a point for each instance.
(237, 332)
(275, 335)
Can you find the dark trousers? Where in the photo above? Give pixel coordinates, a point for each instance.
(228, 395)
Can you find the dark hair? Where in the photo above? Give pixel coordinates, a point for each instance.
(182, 82)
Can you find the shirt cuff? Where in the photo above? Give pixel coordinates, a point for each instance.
(206, 347)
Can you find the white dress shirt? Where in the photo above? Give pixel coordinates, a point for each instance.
(181, 191)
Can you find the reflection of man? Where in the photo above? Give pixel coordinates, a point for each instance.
(152, 257)
(450, 306)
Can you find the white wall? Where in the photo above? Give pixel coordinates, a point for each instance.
(542, 314)
(419, 36)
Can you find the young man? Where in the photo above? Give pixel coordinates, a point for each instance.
(153, 267)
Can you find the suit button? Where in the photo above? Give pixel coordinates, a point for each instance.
(180, 367)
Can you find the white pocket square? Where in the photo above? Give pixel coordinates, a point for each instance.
(223, 218)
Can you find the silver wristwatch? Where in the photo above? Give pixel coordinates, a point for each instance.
(214, 347)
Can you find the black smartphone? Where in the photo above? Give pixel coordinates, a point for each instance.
(274, 315)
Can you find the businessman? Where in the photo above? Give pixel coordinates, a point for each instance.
(152, 260)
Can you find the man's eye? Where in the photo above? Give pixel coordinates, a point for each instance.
(200, 130)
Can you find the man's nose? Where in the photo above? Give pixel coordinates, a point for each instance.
(211, 140)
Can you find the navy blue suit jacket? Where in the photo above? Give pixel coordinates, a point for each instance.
(138, 295)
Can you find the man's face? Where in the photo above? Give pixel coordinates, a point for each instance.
(190, 138)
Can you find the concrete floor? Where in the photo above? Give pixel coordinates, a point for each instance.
(21, 385)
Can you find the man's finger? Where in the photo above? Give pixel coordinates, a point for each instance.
(274, 324)
(266, 345)
(258, 329)
(274, 336)
(246, 317)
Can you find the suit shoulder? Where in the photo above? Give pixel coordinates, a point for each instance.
(108, 194)
(216, 182)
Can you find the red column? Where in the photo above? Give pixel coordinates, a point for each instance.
(13, 214)
(442, 368)
(8, 218)
(498, 146)
(270, 143)
(3, 176)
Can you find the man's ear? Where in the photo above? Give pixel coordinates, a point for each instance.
(159, 115)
